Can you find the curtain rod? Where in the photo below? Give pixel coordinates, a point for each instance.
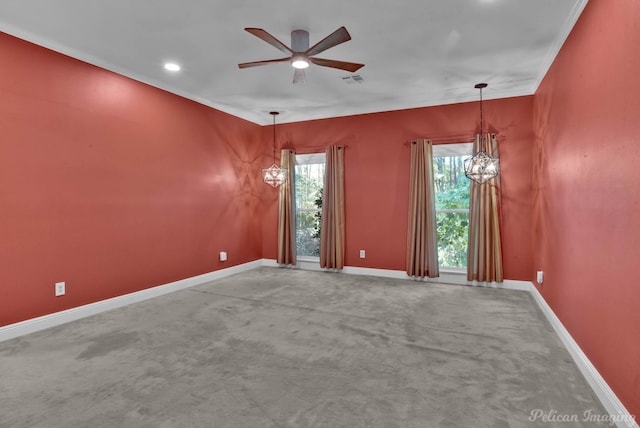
(452, 139)
(468, 138)
(323, 148)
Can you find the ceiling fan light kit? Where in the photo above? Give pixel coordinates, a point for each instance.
(300, 54)
(299, 62)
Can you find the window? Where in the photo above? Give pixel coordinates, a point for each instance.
(309, 181)
(452, 190)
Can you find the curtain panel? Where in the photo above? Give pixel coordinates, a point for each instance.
(332, 227)
(422, 247)
(484, 255)
(286, 211)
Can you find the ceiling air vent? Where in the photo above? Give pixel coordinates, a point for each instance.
(354, 78)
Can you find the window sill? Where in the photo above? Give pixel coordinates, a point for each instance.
(454, 271)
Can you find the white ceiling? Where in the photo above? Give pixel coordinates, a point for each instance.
(416, 52)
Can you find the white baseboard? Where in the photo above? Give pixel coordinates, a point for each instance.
(618, 413)
(51, 320)
(457, 278)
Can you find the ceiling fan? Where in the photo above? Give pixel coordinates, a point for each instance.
(300, 54)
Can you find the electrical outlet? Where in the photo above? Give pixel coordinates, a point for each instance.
(60, 288)
(539, 276)
(223, 256)
(362, 254)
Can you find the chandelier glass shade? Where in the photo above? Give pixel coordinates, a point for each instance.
(481, 167)
(274, 175)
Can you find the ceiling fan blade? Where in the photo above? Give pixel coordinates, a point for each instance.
(342, 65)
(299, 76)
(265, 62)
(261, 34)
(341, 35)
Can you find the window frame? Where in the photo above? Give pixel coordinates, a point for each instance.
(307, 159)
(450, 150)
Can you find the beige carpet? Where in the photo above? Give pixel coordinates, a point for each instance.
(287, 348)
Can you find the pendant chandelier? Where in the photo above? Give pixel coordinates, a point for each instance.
(274, 175)
(481, 167)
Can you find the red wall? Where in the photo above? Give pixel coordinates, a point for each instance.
(587, 190)
(112, 185)
(377, 175)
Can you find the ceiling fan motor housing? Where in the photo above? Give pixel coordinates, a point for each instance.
(299, 41)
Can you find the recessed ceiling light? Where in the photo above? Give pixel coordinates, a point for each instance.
(171, 66)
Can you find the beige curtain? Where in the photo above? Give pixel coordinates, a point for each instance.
(422, 248)
(332, 228)
(286, 211)
(484, 255)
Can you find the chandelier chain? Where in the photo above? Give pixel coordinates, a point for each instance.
(274, 114)
(481, 119)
